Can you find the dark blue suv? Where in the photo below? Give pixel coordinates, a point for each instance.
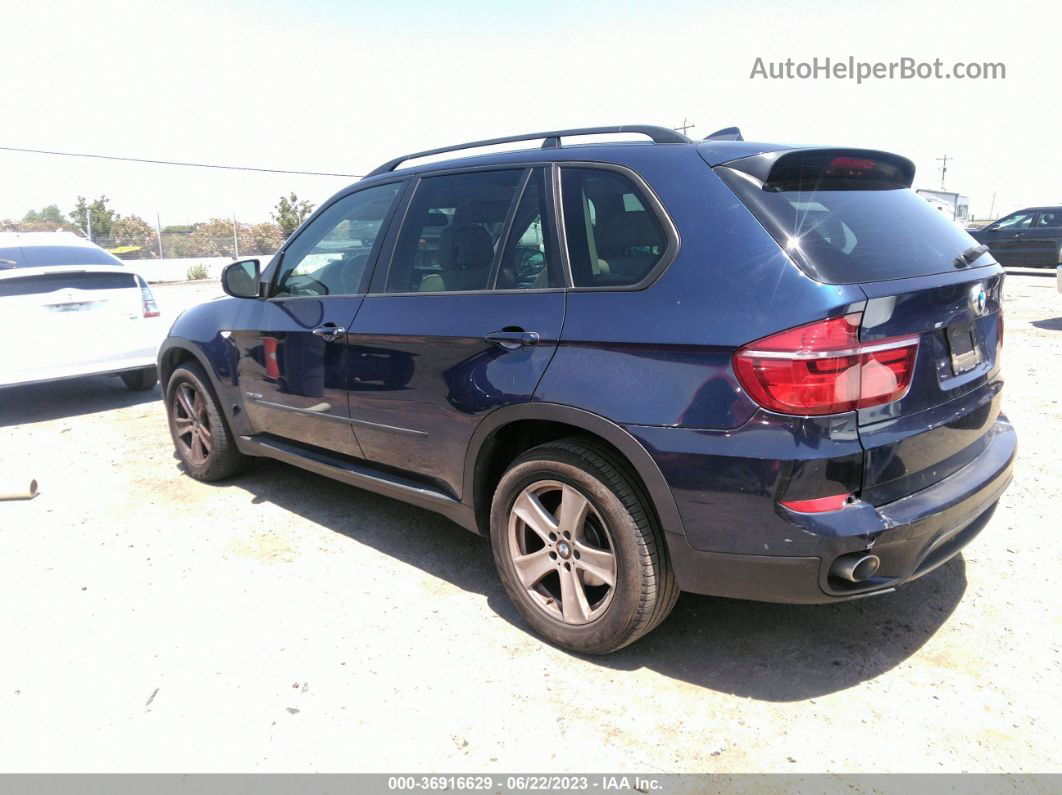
(732, 368)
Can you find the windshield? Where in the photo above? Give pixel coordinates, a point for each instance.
(847, 236)
(38, 256)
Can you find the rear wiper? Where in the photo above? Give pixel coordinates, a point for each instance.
(971, 254)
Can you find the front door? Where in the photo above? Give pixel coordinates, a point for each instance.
(1005, 238)
(293, 347)
(466, 320)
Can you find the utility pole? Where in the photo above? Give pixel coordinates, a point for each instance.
(88, 221)
(158, 228)
(992, 212)
(943, 169)
(235, 239)
(686, 125)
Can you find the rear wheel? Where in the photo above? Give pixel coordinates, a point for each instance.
(577, 548)
(200, 435)
(140, 380)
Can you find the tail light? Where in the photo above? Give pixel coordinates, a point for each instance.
(823, 368)
(147, 300)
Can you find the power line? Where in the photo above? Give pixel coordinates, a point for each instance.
(177, 163)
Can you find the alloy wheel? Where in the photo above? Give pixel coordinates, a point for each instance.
(191, 423)
(562, 552)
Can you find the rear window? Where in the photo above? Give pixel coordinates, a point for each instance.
(37, 256)
(840, 235)
(50, 282)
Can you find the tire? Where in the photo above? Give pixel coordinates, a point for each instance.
(141, 380)
(201, 437)
(543, 577)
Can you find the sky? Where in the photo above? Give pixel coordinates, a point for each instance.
(343, 85)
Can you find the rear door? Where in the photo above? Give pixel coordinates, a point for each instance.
(294, 346)
(1044, 239)
(465, 319)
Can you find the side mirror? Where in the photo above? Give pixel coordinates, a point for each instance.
(240, 279)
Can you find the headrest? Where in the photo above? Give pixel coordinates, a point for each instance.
(435, 218)
(627, 229)
(465, 246)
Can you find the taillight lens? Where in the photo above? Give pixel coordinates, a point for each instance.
(147, 299)
(823, 368)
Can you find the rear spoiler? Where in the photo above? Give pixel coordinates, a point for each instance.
(827, 167)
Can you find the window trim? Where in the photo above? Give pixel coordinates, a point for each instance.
(653, 205)
(378, 285)
(277, 263)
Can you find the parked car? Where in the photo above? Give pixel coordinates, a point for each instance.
(736, 368)
(1030, 238)
(68, 308)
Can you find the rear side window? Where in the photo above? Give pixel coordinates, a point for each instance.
(614, 239)
(50, 282)
(451, 232)
(840, 235)
(1050, 219)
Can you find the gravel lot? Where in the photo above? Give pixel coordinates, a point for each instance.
(284, 622)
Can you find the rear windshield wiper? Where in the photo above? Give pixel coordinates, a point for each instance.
(971, 254)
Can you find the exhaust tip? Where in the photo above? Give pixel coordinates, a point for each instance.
(856, 567)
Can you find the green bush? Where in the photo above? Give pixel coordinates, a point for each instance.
(197, 271)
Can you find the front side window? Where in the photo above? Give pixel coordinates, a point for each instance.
(452, 230)
(614, 240)
(1016, 221)
(330, 256)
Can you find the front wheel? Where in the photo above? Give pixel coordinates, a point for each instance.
(577, 548)
(201, 437)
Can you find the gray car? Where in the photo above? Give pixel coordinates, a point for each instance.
(1030, 238)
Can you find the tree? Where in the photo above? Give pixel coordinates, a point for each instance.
(102, 217)
(136, 232)
(50, 215)
(290, 212)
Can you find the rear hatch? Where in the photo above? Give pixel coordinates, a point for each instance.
(66, 317)
(849, 217)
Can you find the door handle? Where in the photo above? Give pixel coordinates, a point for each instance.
(329, 332)
(511, 340)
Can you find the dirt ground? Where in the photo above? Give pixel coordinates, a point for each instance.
(285, 622)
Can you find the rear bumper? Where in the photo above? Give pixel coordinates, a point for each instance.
(912, 536)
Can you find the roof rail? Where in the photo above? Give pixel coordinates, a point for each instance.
(660, 135)
(725, 134)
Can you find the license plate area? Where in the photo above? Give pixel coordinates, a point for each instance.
(962, 344)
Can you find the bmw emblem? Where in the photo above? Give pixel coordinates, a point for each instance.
(978, 299)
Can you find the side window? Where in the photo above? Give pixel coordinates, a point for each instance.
(451, 232)
(1050, 219)
(1016, 221)
(528, 261)
(613, 238)
(329, 257)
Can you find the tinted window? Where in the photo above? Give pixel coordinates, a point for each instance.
(613, 238)
(329, 257)
(50, 282)
(452, 231)
(38, 256)
(845, 236)
(528, 260)
(1050, 219)
(1016, 221)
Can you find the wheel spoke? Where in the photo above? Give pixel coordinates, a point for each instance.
(182, 424)
(572, 513)
(599, 562)
(200, 407)
(206, 436)
(574, 606)
(198, 448)
(186, 404)
(532, 568)
(531, 512)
